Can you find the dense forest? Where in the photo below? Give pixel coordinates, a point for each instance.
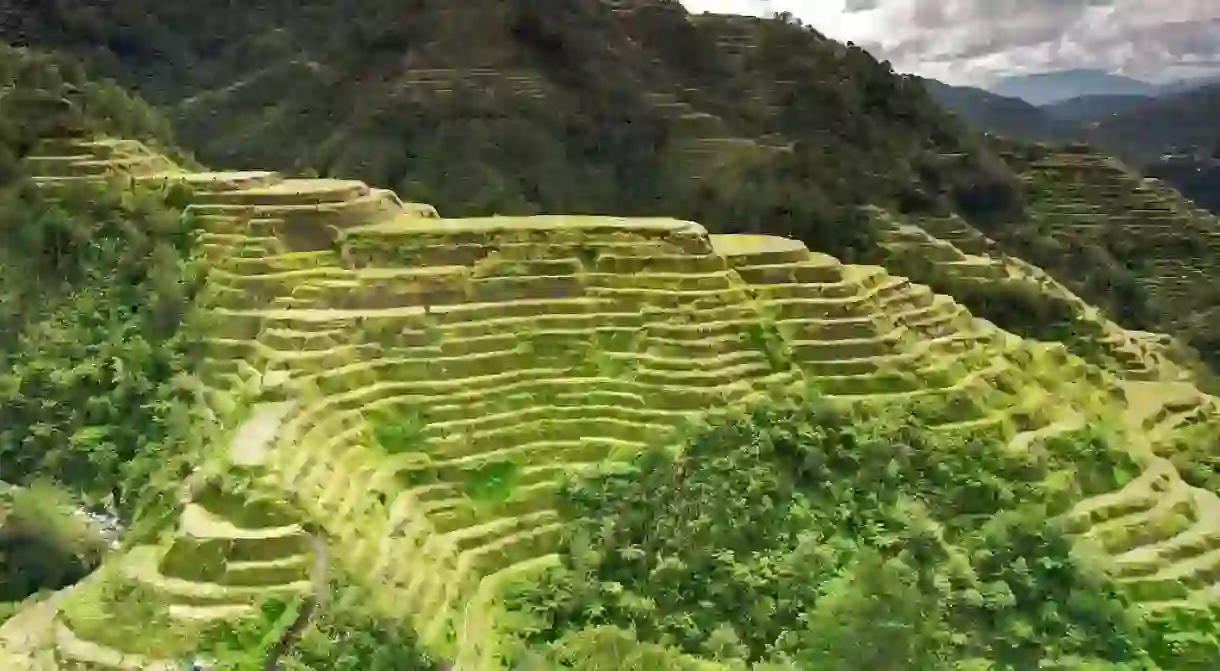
(94, 285)
(840, 542)
(568, 120)
(43, 545)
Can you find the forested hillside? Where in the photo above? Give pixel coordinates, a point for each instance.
(1183, 123)
(559, 106)
(343, 432)
(988, 112)
(1173, 135)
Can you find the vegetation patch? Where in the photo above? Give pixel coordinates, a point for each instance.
(836, 541)
(493, 482)
(121, 614)
(44, 546)
(397, 432)
(97, 286)
(339, 633)
(794, 534)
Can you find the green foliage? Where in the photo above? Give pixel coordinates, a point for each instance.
(492, 482)
(1021, 308)
(120, 612)
(48, 93)
(1192, 450)
(799, 534)
(273, 85)
(96, 288)
(43, 545)
(247, 644)
(764, 336)
(793, 536)
(345, 635)
(608, 648)
(396, 432)
(1095, 272)
(333, 631)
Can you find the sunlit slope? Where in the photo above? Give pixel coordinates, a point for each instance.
(446, 375)
(955, 257)
(1159, 531)
(457, 370)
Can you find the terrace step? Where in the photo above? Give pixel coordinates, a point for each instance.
(77, 650)
(141, 565)
(759, 250)
(193, 613)
(289, 192)
(211, 182)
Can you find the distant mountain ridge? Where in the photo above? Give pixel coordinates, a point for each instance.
(1051, 87)
(1095, 107)
(1002, 115)
(1180, 120)
(1182, 123)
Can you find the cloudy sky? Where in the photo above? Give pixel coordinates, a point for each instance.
(971, 41)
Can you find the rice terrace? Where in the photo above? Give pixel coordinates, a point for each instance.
(591, 441)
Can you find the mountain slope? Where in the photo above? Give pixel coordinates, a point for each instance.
(988, 112)
(1183, 85)
(590, 106)
(1195, 176)
(1094, 108)
(428, 395)
(1180, 123)
(1173, 136)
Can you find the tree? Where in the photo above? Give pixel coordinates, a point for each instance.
(44, 544)
(876, 616)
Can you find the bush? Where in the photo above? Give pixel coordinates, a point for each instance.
(96, 288)
(800, 534)
(44, 545)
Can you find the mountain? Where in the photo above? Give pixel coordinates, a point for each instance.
(989, 112)
(1183, 85)
(1052, 87)
(1175, 137)
(1181, 123)
(1172, 135)
(636, 107)
(1093, 108)
(1195, 176)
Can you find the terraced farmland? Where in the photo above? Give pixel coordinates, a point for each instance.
(955, 257)
(417, 388)
(1167, 243)
(433, 82)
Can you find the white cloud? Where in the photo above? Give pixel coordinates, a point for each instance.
(971, 41)
(828, 16)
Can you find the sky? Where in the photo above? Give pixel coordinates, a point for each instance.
(974, 41)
